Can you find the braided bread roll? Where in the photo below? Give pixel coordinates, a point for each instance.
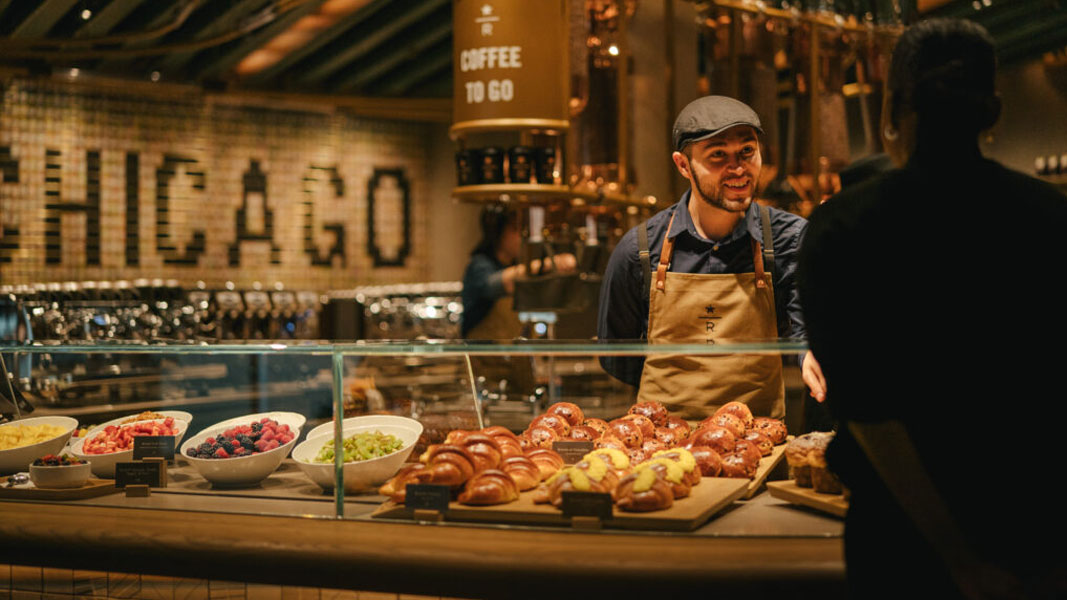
(643, 490)
(491, 486)
(568, 479)
(685, 460)
(523, 470)
(671, 472)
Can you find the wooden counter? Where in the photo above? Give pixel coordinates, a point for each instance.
(761, 548)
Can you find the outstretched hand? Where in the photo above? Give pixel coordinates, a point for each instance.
(811, 372)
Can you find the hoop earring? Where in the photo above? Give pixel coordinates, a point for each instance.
(890, 133)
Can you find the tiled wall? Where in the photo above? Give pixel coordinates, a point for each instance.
(105, 184)
(36, 583)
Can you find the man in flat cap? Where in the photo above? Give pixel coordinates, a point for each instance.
(714, 267)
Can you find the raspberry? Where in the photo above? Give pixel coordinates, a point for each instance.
(221, 453)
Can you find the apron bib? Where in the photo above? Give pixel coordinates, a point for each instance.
(690, 308)
(502, 323)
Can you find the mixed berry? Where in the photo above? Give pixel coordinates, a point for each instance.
(244, 440)
(51, 460)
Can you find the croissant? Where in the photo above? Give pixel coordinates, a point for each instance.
(491, 486)
(523, 470)
(643, 491)
(566, 480)
(548, 461)
(396, 488)
(448, 464)
(485, 450)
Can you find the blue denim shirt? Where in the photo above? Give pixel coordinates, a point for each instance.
(623, 311)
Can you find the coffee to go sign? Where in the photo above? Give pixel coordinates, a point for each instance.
(510, 64)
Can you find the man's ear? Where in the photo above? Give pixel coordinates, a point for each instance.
(682, 164)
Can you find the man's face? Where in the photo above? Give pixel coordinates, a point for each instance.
(723, 169)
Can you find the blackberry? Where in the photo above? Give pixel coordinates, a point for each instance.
(205, 447)
(257, 426)
(193, 452)
(248, 444)
(227, 445)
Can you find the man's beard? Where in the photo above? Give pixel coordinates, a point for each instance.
(715, 197)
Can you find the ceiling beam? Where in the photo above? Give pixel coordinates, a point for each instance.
(410, 15)
(41, 20)
(337, 29)
(425, 69)
(232, 55)
(107, 18)
(397, 56)
(227, 21)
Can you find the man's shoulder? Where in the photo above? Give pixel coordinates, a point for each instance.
(785, 222)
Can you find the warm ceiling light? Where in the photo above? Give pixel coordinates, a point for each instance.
(298, 34)
(87, 14)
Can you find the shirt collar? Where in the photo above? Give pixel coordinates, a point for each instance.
(683, 221)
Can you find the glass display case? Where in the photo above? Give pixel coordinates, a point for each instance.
(208, 391)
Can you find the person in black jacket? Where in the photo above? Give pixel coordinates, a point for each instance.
(928, 297)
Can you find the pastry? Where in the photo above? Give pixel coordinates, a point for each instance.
(739, 410)
(764, 443)
(561, 426)
(798, 454)
(772, 428)
(599, 424)
(736, 464)
(524, 471)
(540, 437)
(636, 455)
(652, 446)
(396, 488)
(709, 461)
(672, 472)
(717, 438)
(615, 459)
(571, 412)
(686, 460)
(447, 464)
(491, 486)
(647, 427)
(485, 450)
(628, 431)
(609, 441)
(679, 424)
(510, 444)
(749, 450)
(654, 411)
(643, 491)
(567, 479)
(548, 461)
(583, 433)
(822, 479)
(727, 420)
(669, 437)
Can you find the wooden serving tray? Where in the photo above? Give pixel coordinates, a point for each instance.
(766, 465)
(92, 488)
(708, 497)
(835, 504)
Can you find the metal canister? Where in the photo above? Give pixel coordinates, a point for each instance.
(467, 167)
(545, 164)
(520, 164)
(492, 165)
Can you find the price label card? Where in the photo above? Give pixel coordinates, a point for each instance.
(572, 452)
(138, 473)
(428, 496)
(587, 504)
(157, 446)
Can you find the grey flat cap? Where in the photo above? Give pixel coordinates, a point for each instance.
(711, 115)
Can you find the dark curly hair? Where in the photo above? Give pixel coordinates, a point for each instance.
(944, 70)
(494, 219)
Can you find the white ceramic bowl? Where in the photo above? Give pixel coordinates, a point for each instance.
(18, 459)
(64, 476)
(363, 475)
(103, 465)
(243, 470)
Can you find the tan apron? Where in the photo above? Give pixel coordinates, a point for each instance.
(502, 324)
(690, 308)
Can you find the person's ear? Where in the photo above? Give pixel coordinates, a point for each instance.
(682, 164)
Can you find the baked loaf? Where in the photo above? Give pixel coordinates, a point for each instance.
(491, 486)
(804, 452)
